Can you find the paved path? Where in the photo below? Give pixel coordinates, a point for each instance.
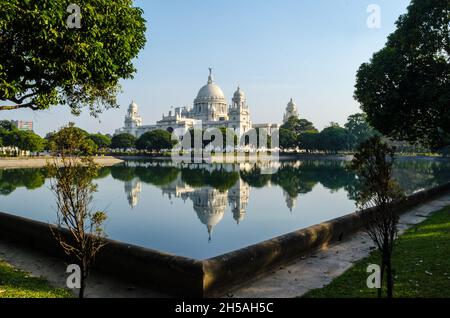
(321, 267)
(309, 272)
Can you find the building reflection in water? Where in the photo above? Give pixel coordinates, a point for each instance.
(209, 203)
(133, 189)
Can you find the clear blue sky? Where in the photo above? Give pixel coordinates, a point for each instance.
(274, 49)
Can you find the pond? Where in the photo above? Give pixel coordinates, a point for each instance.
(204, 210)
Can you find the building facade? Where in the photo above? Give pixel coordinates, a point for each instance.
(22, 124)
(210, 110)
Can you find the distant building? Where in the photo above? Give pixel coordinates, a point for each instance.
(210, 109)
(291, 111)
(22, 124)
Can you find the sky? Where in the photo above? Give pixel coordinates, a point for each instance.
(309, 50)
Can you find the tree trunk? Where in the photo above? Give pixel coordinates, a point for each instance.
(389, 278)
(382, 270)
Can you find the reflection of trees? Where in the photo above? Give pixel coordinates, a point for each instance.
(418, 174)
(219, 179)
(123, 173)
(254, 178)
(301, 177)
(157, 175)
(293, 180)
(12, 179)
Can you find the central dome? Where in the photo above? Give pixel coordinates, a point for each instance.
(210, 91)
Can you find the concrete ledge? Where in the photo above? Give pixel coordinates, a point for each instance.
(183, 276)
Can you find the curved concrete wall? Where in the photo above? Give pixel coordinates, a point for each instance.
(195, 278)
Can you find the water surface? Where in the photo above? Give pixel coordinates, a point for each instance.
(204, 210)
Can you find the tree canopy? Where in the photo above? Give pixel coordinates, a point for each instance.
(72, 140)
(358, 129)
(45, 63)
(298, 125)
(102, 141)
(405, 88)
(24, 140)
(123, 141)
(155, 140)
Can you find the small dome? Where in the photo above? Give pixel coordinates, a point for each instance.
(133, 105)
(239, 93)
(291, 103)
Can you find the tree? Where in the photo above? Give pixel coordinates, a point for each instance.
(74, 139)
(102, 141)
(80, 228)
(298, 125)
(309, 140)
(123, 141)
(358, 129)
(45, 63)
(30, 141)
(333, 138)
(405, 88)
(155, 140)
(24, 140)
(288, 139)
(373, 164)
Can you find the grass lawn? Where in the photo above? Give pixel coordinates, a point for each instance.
(17, 284)
(421, 262)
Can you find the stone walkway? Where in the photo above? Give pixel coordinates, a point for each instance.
(321, 267)
(309, 272)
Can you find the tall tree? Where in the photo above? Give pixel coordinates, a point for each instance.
(298, 125)
(405, 88)
(376, 195)
(45, 63)
(359, 129)
(288, 139)
(83, 235)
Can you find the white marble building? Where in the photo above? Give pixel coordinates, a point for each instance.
(210, 110)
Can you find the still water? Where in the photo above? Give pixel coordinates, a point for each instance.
(204, 210)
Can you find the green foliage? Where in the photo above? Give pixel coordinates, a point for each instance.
(309, 141)
(123, 141)
(155, 140)
(298, 125)
(221, 180)
(43, 63)
(373, 164)
(359, 129)
(101, 141)
(157, 175)
(23, 139)
(15, 283)
(405, 88)
(333, 139)
(288, 139)
(72, 140)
